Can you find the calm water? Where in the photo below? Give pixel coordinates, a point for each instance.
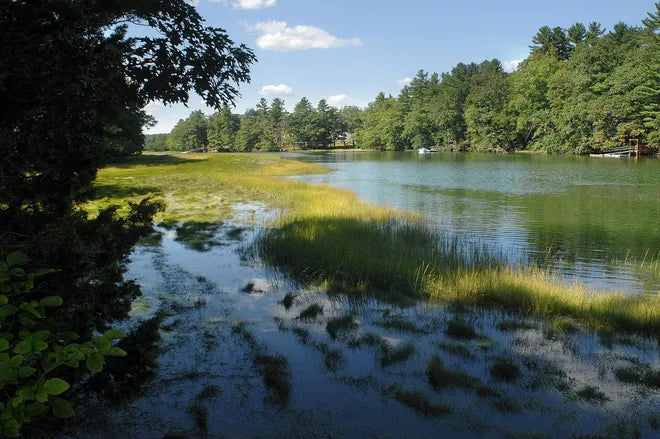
(592, 219)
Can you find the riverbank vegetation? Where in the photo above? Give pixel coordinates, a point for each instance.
(581, 89)
(325, 234)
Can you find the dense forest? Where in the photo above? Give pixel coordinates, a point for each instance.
(581, 89)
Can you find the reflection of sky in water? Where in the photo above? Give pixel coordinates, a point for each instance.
(588, 215)
(323, 402)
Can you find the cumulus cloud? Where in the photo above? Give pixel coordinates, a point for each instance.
(404, 81)
(276, 90)
(278, 36)
(249, 4)
(340, 100)
(510, 66)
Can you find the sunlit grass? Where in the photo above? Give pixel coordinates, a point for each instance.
(326, 234)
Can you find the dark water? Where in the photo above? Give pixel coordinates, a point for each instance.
(202, 290)
(592, 219)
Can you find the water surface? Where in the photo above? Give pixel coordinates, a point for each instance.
(591, 219)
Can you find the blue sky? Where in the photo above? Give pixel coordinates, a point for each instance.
(347, 51)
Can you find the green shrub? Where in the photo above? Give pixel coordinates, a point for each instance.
(32, 350)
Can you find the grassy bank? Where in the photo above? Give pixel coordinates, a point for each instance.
(327, 234)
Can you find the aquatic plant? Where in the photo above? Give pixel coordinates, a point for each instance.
(504, 369)
(389, 355)
(440, 377)
(311, 312)
(419, 402)
(341, 324)
(457, 328)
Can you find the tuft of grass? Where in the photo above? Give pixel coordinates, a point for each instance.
(209, 392)
(390, 355)
(505, 404)
(288, 299)
(275, 372)
(200, 415)
(514, 325)
(457, 328)
(311, 312)
(457, 349)
(417, 401)
(504, 369)
(399, 323)
(564, 325)
(342, 324)
(440, 377)
(592, 394)
(637, 374)
(302, 334)
(333, 359)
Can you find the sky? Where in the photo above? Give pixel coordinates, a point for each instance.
(347, 51)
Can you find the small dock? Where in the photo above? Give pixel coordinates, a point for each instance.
(623, 151)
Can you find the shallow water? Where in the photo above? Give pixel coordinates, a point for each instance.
(342, 390)
(591, 219)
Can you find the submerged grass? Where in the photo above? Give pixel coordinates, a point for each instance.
(327, 234)
(419, 402)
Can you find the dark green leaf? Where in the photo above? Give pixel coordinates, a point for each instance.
(61, 408)
(55, 386)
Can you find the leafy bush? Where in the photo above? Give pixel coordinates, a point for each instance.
(32, 350)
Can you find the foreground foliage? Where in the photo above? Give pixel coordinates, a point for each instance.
(33, 349)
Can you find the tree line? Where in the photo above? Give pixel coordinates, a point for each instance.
(581, 89)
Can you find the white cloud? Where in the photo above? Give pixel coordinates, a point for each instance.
(510, 66)
(278, 36)
(276, 90)
(404, 81)
(340, 100)
(254, 4)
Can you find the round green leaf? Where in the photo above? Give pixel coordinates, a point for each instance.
(51, 301)
(4, 345)
(117, 352)
(95, 362)
(15, 258)
(112, 334)
(61, 408)
(23, 347)
(55, 386)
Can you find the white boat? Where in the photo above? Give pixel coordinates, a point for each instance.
(423, 150)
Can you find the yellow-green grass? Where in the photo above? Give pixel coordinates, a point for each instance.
(326, 234)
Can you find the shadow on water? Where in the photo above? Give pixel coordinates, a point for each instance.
(363, 367)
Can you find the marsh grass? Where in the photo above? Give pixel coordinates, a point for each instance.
(389, 355)
(200, 415)
(504, 369)
(399, 323)
(441, 377)
(461, 329)
(311, 312)
(327, 234)
(333, 359)
(274, 369)
(592, 394)
(287, 301)
(457, 349)
(419, 402)
(340, 325)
